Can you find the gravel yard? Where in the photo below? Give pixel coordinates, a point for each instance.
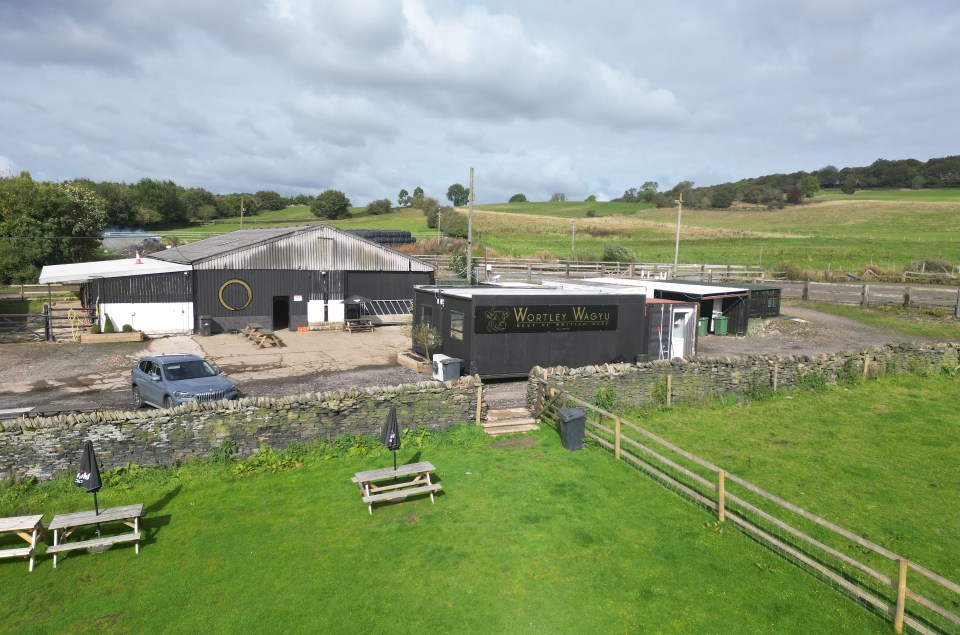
(66, 376)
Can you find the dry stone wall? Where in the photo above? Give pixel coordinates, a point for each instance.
(46, 447)
(699, 380)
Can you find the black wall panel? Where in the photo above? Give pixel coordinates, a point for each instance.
(385, 285)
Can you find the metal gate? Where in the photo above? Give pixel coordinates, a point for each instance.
(55, 323)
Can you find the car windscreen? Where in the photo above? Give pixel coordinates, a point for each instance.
(188, 370)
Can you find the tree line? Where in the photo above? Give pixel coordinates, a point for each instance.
(778, 190)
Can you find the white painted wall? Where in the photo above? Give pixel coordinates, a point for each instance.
(159, 318)
(335, 311)
(315, 311)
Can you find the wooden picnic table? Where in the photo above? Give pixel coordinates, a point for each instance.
(129, 515)
(260, 336)
(268, 338)
(358, 325)
(420, 484)
(21, 525)
(251, 329)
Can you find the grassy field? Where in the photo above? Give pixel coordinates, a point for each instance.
(851, 233)
(932, 196)
(878, 458)
(526, 538)
(567, 209)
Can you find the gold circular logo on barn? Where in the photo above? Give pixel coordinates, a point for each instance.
(235, 299)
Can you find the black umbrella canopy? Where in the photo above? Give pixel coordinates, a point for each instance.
(390, 434)
(88, 476)
(356, 299)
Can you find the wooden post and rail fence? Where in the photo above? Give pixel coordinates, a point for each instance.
(713, 488)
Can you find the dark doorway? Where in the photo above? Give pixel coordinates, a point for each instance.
(281, 312)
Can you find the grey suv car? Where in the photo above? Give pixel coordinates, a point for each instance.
(165, 381)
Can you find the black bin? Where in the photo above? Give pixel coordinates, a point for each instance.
(206, 325)
(572, 422)
(449, 368)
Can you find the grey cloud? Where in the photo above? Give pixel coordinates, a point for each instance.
(539, 96)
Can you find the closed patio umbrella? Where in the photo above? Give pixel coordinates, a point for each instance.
(390, 434)
(88, 476)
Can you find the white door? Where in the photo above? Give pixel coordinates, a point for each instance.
(678, 336)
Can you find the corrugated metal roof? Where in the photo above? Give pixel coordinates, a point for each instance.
(85, 271)
(230, 242)
(315, 247)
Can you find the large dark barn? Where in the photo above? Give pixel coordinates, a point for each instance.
(281, 277)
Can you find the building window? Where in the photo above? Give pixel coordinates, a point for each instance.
(426, 315)
(456, 325)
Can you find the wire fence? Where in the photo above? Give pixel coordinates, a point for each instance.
(889, 584)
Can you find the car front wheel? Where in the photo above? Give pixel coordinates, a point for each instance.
(167, 402)
(137, 399)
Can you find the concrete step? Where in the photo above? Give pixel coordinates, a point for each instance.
(509, 421)
(507, 413)
(510, 429)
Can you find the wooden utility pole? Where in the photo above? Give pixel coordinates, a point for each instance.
(676, 250)
(470, 231)
(573, 236)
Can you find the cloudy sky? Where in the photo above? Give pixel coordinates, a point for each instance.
(539, 96)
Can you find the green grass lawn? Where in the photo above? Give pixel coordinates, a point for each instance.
(525, 538)
(879, 459)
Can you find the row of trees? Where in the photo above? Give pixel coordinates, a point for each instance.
(778, 190)
(46, 223)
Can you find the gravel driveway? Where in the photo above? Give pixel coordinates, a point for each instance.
(66, 376)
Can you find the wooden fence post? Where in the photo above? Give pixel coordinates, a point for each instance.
(866, 366)
(479, 401)
(776, 374)
(529, 274)
(721, 496)
(568, 269)
(631, 270)
(616, 439)
(806, 291)
(864, 295)
(901, 597)
(906, 298)
(669, 389)
(957, 312)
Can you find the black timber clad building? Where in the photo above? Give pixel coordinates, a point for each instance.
(504, 332)
(288, 277)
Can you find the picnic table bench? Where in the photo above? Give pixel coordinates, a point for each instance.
(268, 338)
(21, 525)
(420, 484)
(358, 325)
(251, 329)
(129, 515)
(260, 336)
